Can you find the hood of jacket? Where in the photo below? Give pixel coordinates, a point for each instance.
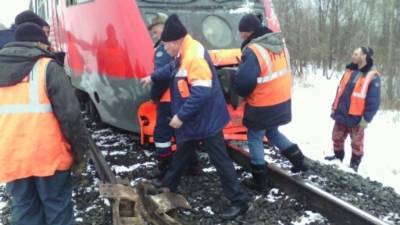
(17, 60)
(365, 69)
(264, 37)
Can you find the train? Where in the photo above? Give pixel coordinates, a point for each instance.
(109, 49)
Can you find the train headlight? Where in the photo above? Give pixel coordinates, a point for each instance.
(217, 31)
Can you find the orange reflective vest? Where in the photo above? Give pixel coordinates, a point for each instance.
(194, 69)
(31, 140)
(274, 83)
(359, 94)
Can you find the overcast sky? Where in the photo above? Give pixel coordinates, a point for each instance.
(10, 8)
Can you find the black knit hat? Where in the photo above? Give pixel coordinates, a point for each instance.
(30, 16)
(173, 29)
(31, 32)
(249, 23)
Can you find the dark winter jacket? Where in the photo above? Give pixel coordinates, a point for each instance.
(7, 36)
(17, 60)
(245, 82)
(204, 111)
(161, 58)
(372, 101)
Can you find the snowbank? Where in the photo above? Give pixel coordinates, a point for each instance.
(312, 126)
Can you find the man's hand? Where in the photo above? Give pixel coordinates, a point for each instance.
(176, 123)
(363, 123)
(146, 81)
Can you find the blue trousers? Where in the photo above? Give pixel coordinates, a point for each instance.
(42, 200)
(163, 133)
(256, 145)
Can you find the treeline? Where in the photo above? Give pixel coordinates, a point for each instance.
(324, 33)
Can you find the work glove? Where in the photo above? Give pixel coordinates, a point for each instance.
(363, 123)
(80, 153)
(80, 163)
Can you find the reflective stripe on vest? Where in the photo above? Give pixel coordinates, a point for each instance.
(274, 82)
(190, 50)
(270, 76)
(34, 105)
(32, 142)
(359, 93)
(364, 89)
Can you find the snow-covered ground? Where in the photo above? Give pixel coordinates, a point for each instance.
(312, 127)
(2, 204)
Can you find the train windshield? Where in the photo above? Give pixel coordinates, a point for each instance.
(191, 1)
(213, 22)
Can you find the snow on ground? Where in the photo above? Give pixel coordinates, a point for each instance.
(208, 210)
(121, 169)
(312, 127)
(309, 217)
(2, 204)
(273, 195)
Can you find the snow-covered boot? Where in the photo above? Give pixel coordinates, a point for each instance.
(338, 155)
(259, 180)
(296, 157)
(355, 162)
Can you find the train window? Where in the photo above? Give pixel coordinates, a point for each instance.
(41, 9)
(229, 1)
(169, 1)
(217, 31)
(77, 2)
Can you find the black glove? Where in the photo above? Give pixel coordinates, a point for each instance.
(80, 163)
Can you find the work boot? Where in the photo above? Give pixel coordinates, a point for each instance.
(296, 157)
(163, 164)
(259, 180)
(355, 162)
(338, 155)
(233, 211)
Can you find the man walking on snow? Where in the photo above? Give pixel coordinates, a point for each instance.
(356, 103)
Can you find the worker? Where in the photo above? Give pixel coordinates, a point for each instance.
(30, 16)
(7, 35)
(160, 93)
(43, 133)
(200, 112)
(264, 80)
(356, 103)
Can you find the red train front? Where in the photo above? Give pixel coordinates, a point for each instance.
(109, 49)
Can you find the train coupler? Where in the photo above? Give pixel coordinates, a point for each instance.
(143, 204)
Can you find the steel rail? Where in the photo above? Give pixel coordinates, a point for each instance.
(330, 206)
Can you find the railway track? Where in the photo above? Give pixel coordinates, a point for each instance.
(291, 199)
(335, 209)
